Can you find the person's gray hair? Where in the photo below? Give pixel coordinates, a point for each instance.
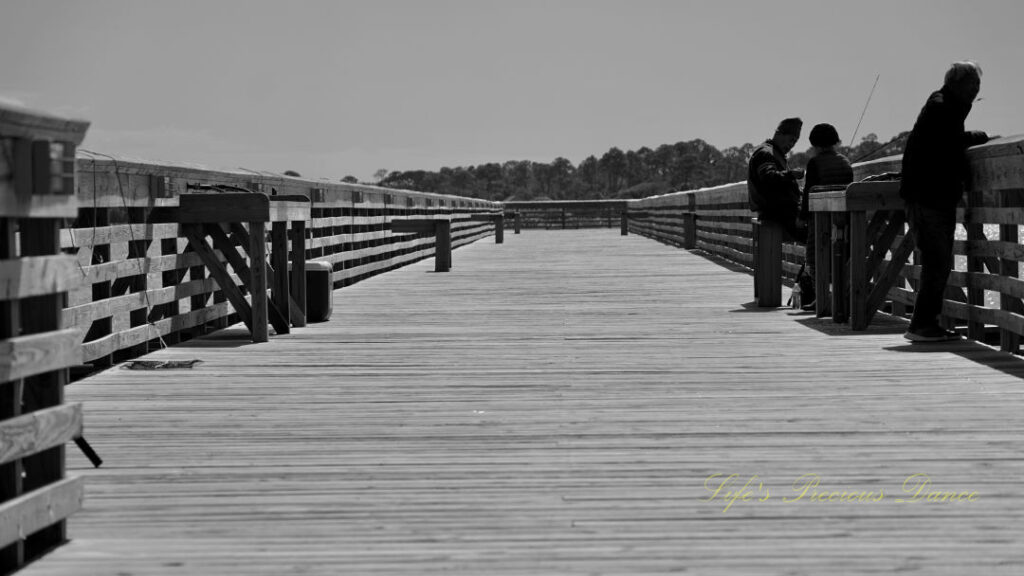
(959, 71)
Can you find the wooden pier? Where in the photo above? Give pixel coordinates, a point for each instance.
(564, 403)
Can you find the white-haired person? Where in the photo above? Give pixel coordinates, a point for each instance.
(934, 171)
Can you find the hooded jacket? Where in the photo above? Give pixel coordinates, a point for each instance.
(934, 160)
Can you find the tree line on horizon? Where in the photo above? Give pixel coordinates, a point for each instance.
(616, 174)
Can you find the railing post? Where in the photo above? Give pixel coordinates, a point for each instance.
(975, 265)
(690, 230)
(515, 217)
(767, 238)
(822, 239)
(499, 229)
(563, 218)
(1009, 341)
(859, 281)
(840, 267)
(443, 246)
(624, 216)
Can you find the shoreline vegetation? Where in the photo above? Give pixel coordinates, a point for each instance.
(688, 165)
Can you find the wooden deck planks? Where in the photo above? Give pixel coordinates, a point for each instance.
(554, 404)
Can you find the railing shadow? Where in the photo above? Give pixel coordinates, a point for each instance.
(753, 307)
(881, 324)
(971, 350)
(976, 352)
(231, 337)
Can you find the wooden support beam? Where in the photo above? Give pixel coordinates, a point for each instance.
(767, 263)
(822, 263)
(280, 285)
(258, 280)
(197, 240)
(840, 254)
(298, 272)
(11, 393)
(1009, 341)
(46, 389)
(887, 278)
(859, 280)
(442, 231)
(690, 230)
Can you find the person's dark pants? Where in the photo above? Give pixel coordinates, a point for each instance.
(933, 230)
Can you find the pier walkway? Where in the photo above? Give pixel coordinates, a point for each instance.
(564, 403)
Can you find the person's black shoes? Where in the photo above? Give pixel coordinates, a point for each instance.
(931, 334)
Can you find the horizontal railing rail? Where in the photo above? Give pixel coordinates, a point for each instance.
(565, 214)
(144, 287)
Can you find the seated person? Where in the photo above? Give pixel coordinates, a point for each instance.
(772, 187)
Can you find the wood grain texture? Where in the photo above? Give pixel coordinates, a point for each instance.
(37, 276)
(39, 509)
(34, 432)
(25, 356)
(553, 405)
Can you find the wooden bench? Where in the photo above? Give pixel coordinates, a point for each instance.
(441, 228)
(767, 239)
(215, 215)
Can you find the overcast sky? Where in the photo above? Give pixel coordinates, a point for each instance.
(344, 87)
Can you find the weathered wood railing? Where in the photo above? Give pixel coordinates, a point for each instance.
(984, 293)
(144, 287)
(97, 267)
(563, 214)
(37, 191)
(718, 220)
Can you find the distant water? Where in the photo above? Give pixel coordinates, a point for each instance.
(960, 262)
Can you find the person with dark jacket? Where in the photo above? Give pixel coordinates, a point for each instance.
(772, 187)
(826, 168)
(934, 171)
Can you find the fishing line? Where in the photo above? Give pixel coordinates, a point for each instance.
(852, 138)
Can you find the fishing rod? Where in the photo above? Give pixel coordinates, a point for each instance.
(874, 151)
(864, 111)
(877, 149)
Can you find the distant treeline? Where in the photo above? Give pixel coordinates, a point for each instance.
(616, 174)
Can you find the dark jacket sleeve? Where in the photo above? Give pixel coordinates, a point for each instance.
(974, 138)
(776, 184)
(771, 175)
(810, 180)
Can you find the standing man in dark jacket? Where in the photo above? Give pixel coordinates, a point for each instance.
(772, 187)
(934, 172)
